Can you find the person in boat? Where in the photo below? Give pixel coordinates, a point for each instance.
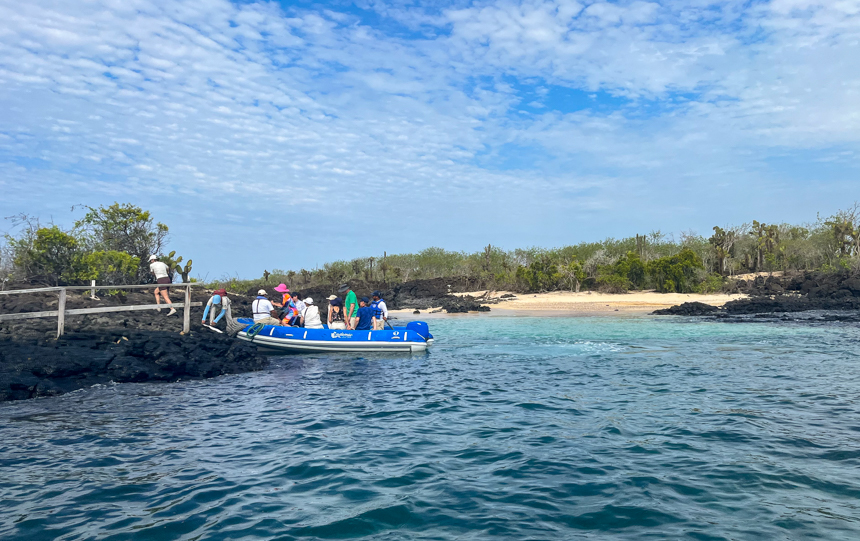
(285, 295)
(380, 311)
(289, 314)
(218, 303)
(335, 314)
(161, 272)
(264, 310)
(300, 309)
(311, 315)
(350, 306)
(365, 316)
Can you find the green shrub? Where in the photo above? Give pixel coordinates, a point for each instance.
(613, 283)
(675, 273)
(712, 283)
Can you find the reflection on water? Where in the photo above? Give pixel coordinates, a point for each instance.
(538, 428)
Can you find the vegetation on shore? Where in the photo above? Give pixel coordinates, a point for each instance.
(111, 245)
(690, 263)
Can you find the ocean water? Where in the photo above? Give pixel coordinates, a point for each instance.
(510, 428)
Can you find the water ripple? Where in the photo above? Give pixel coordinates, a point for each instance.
(626, 428)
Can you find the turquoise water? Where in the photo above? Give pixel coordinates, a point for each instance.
(511, 428)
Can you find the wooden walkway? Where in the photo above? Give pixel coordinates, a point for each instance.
(60, 313)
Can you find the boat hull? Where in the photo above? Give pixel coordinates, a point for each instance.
(300, 340)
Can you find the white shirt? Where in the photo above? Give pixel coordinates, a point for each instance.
(159, 269)
(262, 309)
(300, 306)
(383, 307)
(312, 317)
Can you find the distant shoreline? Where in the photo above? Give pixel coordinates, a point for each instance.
(587, 302)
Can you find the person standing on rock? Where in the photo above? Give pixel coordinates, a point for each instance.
(350, 306)
(218, 300)
(162, 276)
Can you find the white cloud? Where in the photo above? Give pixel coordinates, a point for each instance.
(139, 98)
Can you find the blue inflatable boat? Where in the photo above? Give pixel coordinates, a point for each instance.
(415, 337)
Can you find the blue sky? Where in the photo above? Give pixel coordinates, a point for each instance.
(284, 135)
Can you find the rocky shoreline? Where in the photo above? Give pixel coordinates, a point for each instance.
(116, 347)
(774, 297)
(147, 345)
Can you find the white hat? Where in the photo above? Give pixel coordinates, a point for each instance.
(308, 301)
(331, 297)
(153, 256)
(262, 292)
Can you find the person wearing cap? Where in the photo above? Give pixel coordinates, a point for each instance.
(335, 313)
(217, 300)
(285, 295)
(364, 321)
(380, 311)
(350, 306)
(311, 315)
(162, 276)
(264, 310)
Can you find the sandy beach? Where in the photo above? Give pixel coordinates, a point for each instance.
(592, 302)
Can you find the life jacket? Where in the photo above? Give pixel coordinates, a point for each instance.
(377, 312)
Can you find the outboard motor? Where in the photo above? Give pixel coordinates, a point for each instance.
(419, 327)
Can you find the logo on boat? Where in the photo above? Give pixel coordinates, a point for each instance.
(341, 335)
(396, 333)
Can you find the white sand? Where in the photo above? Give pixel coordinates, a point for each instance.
(589, 301)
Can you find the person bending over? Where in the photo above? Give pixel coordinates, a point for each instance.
(219, 303)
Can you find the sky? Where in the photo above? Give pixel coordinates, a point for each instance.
(288, 134)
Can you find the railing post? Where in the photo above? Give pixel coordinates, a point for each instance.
(61, 313)
(93, 290)
(186, 311)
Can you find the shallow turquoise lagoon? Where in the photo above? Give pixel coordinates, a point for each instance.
(510, 428)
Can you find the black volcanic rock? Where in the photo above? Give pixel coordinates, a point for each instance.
(688, 309)
(120, 347)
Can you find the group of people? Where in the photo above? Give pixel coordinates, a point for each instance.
(349, 313)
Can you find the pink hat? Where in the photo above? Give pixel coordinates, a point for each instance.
(281, 288)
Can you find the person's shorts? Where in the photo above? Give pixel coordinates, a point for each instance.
(338, 326)
(164, 280)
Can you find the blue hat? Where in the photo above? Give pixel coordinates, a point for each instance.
(365, 300)
(377, 294)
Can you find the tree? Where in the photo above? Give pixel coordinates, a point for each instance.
(722, 241)
(574, 274)
(54, 256)
(541, 275)
(124, 228)
(675, 273)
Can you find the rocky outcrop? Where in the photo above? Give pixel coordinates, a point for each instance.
(459, 305)
(789, 294)
(688, 309)
(119, 347)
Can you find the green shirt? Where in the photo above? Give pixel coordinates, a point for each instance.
(350, 299)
